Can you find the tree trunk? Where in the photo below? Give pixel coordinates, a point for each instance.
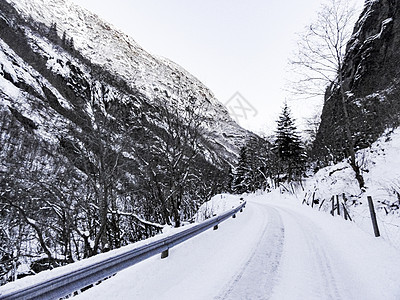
(350, 141)
(100, 237)
(176, 215)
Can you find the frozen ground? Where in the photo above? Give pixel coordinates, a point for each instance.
(275, 249)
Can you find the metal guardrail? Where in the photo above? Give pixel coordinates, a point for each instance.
(67, 283)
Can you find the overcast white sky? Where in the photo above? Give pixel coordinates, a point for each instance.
(230, 45)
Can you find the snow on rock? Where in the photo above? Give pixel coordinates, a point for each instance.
(381, 170)
(158, 79)
(9, 63)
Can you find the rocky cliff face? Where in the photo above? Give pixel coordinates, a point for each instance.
(371, 74)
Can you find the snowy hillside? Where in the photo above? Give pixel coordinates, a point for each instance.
(101, 143)
(156, 78)
(380, 165)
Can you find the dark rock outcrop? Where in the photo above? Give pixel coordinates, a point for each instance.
(371, 79)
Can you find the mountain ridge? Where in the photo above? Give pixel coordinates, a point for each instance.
(98, 150)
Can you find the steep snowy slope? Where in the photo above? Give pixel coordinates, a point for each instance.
(380, 166)
(157, 79)
(100, 142)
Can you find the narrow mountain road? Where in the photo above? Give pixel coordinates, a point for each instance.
(256, 278)
(291, 261)
(273, 250)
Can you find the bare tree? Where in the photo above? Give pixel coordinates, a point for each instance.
(312, 125)
(172, 167)
(319, 62)
(321, 49)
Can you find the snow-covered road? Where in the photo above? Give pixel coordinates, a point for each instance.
(257, 276)
(275, 249)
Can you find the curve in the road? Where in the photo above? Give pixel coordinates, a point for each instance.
(273, 250)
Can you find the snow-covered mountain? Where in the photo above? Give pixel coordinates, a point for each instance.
(156, 79)
(101, 143)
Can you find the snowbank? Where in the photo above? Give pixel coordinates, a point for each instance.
(315, 257)
(380, 165)
(217, 205)
(368, 267)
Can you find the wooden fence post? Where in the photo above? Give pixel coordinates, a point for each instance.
(344, 212)
(337, 204)
(333, 206)
(373, 216)
(319, 208)
(14, 263)
(304, 199)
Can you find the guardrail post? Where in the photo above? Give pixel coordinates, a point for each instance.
(373, 216)
(234, 216)
(215, 227)
(164, 254)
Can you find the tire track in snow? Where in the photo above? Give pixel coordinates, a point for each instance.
(257, 277)
(312, 274)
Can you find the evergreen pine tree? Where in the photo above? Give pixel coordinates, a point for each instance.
(53, 32)
(250, 174)
(240, 175)
(71, 44)
(288, 147)
(257, 158)
(229, 181)
(64, 39)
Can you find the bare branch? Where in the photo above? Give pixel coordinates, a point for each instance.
(321, 48)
